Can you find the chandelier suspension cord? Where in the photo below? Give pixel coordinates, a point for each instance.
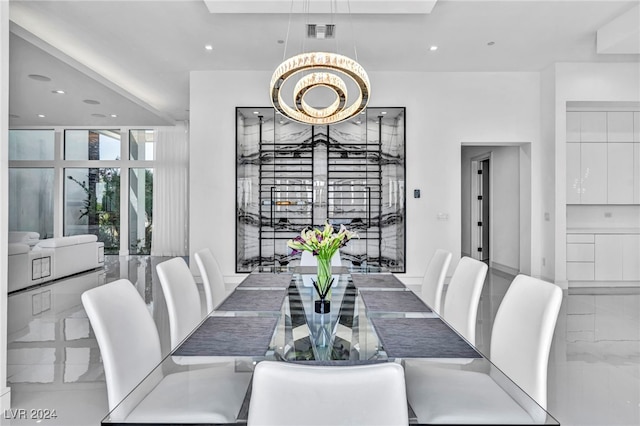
(307, 12)
(334, 9)
(353, 33)
(286, 40)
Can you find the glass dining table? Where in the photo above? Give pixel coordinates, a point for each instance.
(373, 317)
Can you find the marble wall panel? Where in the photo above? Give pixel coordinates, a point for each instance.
(291, 176)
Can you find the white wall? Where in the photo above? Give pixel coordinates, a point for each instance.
(443, 111)
(5, 395)
(597, 82)
(504, 247)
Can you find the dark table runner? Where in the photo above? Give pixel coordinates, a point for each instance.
(266, 280)
(393, 301)
(230, 336)
(254, 300)
(421, 338)
(376, 281)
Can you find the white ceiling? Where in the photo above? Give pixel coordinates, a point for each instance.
(134, 57)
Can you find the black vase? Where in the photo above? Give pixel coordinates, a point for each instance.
(322, 306)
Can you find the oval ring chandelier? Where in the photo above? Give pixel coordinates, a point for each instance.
(314, 70)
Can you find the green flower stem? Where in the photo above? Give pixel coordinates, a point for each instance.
(324, 274)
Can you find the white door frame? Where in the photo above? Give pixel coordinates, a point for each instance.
(476, 206)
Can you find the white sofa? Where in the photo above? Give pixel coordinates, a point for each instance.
(52, 259)
(28, 267)
(29, 238)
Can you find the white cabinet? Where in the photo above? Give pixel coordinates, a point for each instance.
(620, 173)
(574, 179)
(580, 271)
(630, 257)
(603, 157)
(593, 165)
(593, 126)
(620, 126)
(608, 257)
(636, 172)
(603, 257)
(580, 257)
(580, 252)
(573, 126)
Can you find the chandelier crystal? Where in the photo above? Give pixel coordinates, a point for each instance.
(320, 69)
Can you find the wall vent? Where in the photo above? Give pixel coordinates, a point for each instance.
(321, 31)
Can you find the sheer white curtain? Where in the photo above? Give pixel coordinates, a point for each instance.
(171, 193)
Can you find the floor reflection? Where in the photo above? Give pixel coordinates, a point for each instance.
(54, 361)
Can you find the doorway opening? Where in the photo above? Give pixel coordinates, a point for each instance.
(496, 205)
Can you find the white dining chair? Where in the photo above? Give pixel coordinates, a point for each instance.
(212, 279)
(520, 344)
(308, 259)
(303, 395)
(463, 295)
(130, 348)
(182, 297)
(433, 281)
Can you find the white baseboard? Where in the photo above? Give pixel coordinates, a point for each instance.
(504, 268)
(603, 284)
(5, 399)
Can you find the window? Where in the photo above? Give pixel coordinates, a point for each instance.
(31, 144)
(84, 181)
(141, 144)
(140, 210)
(31, 200)
(141, 149)
(92, 144)
(31, 177)
(92, 204)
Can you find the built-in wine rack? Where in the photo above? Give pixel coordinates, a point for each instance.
(306, 175)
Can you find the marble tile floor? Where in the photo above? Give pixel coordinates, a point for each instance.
(54, 361)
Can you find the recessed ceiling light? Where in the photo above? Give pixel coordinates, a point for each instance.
(98, 115)
(433, 48)
(41, 115)
(114, 115)
(491, 43)
(383, 112)
(362, 112)
(358, 122)
(58, 92)
(256, 112)
(281, 121)
(91, 102)
(208, 47)
(39, 77)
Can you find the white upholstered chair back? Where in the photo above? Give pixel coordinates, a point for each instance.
(182, 297)
(212, 279)
(522, 333)
(126, 334)
(463, 295)
(294, 394)
(433, 281)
